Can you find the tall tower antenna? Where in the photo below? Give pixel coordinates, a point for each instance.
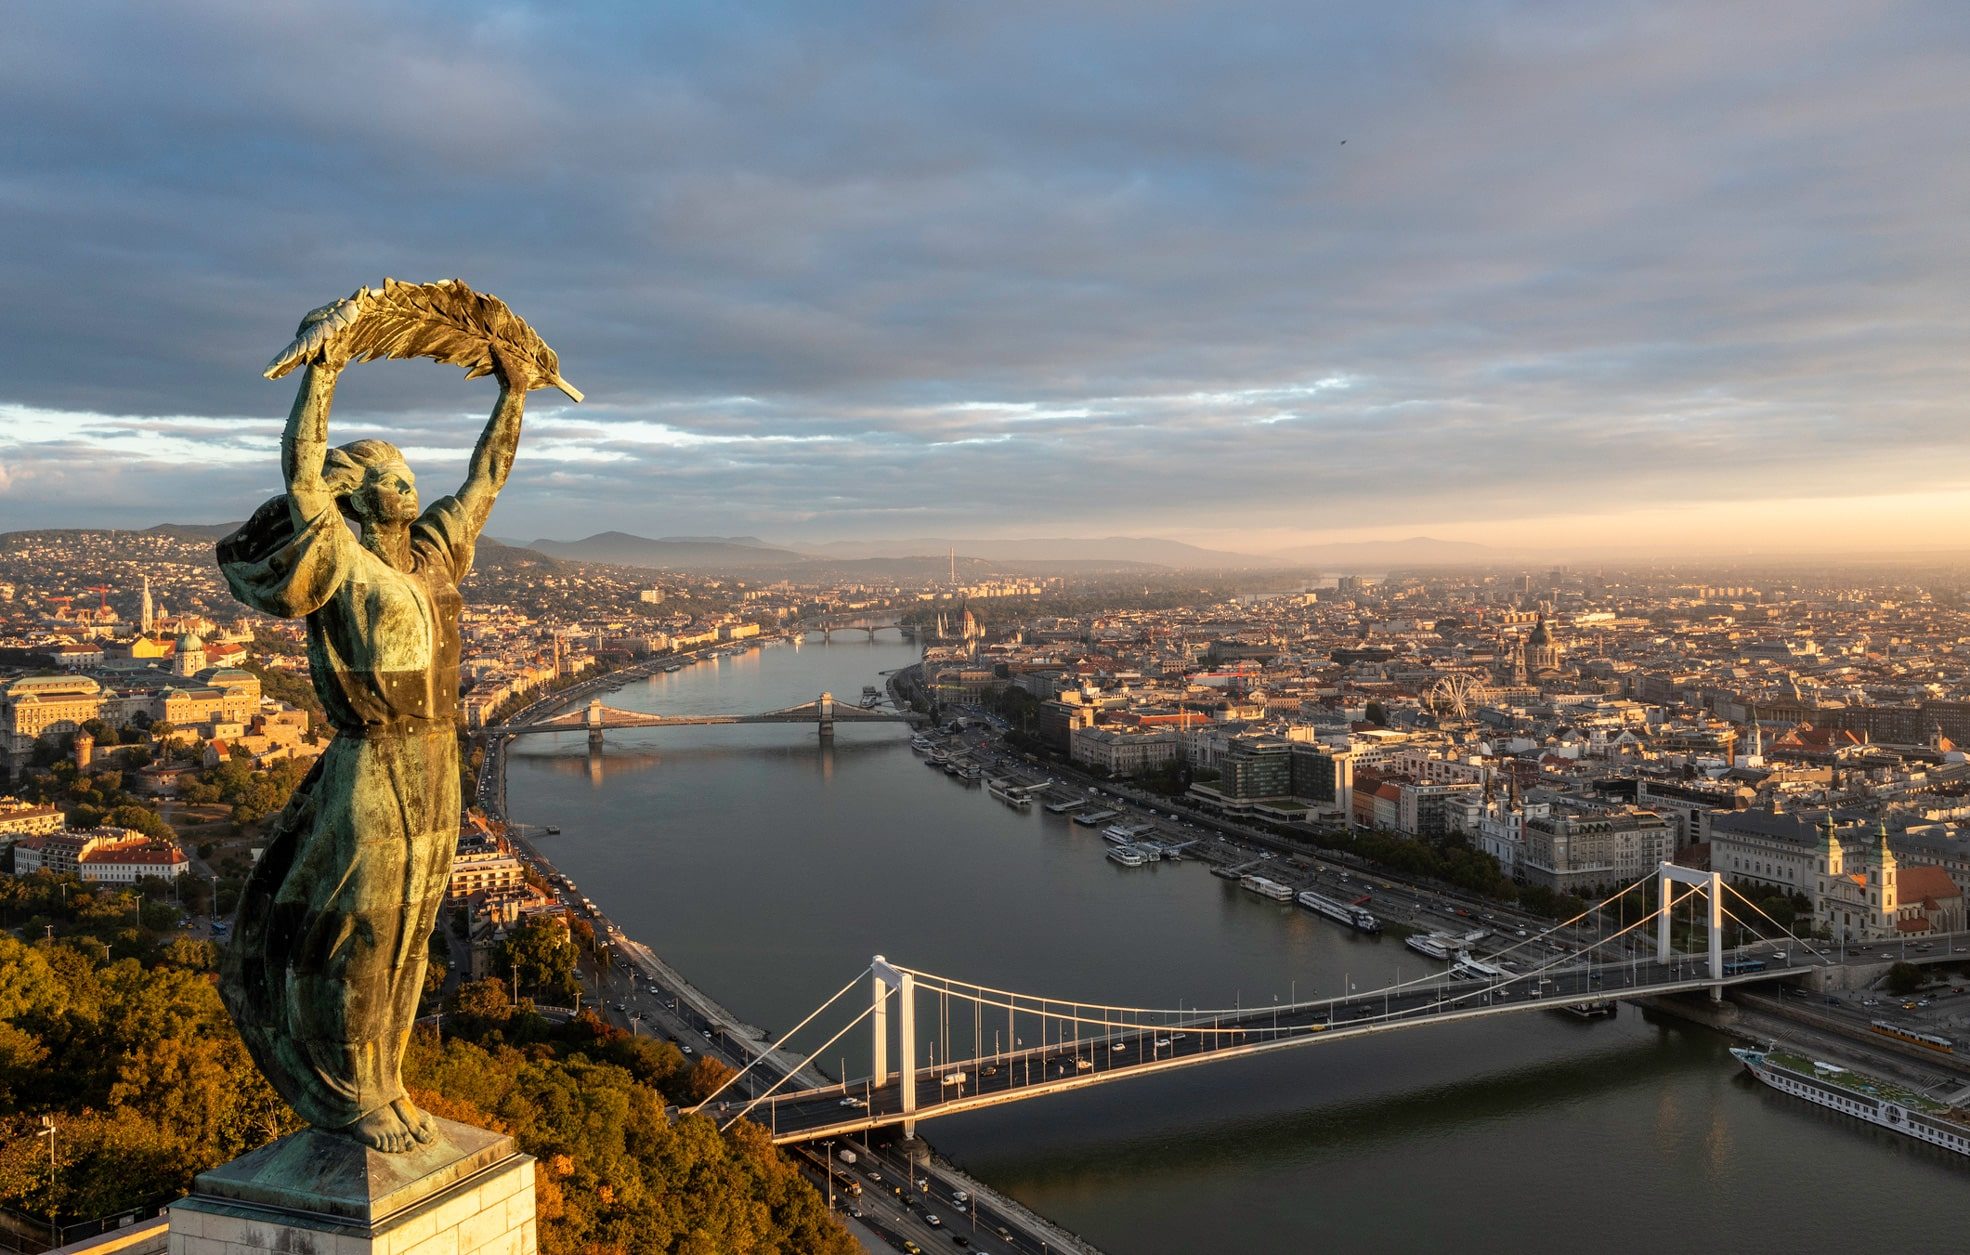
(954, 566)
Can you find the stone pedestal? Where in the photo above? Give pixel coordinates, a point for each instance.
(470, 1192)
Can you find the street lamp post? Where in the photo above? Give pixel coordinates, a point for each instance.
(47, 1130)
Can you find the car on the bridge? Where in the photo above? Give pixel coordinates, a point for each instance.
(934, 1222)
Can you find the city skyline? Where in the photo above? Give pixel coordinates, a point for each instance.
(1666, 279)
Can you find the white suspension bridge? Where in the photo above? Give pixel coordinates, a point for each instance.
(1024, 1045)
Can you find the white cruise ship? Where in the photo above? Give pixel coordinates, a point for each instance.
(1881, 1103)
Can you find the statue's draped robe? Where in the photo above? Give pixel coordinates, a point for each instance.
(328, 952)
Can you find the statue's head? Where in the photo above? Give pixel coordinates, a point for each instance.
(371, 482)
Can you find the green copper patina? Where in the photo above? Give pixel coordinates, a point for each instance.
(328, 954)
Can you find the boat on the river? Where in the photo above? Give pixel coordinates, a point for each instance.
(1266, 887)
(1878, 1102)
(1009, 793)
(1434, 945)
(1127, 856)
(1470, 967)
(1094, 819)
(1340, 912)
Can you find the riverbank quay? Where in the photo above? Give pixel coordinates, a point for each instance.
(643, 992)
(1760, 1021)
(1430, 906)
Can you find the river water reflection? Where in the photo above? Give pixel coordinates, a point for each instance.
(770, 868)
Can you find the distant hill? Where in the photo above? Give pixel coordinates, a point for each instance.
(487, 555)
(679, 554)
(1381, 554)
(194, 531)
(1126, 550)
(491, 555)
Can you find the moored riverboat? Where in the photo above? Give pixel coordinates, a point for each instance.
(1340, 912)
(1878, 1102)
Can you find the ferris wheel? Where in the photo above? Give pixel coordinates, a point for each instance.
(1454, 696)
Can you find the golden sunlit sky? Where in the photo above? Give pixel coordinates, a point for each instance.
(1631, 277)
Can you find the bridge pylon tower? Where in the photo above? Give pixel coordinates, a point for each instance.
(824, 710)
(593, 721)
(1711, 886)
(904, 985)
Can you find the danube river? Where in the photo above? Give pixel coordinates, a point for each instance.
(769, 868)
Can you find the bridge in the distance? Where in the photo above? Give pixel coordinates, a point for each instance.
(868, 625)
(1000, 1046)
(595, 719)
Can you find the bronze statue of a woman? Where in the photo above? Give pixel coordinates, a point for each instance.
(327, 959)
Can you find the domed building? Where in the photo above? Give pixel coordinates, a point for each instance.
(1542, 652)
(189, 657)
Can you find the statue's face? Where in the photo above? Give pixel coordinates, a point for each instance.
(388, 494)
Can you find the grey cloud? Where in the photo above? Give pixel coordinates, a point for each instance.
(1680, 250)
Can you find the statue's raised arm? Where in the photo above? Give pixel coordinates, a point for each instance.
(492, 458)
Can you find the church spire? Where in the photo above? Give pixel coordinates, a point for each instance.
(1885, 872)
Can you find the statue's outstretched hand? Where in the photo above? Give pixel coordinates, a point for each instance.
(331, 349)
(515, 371)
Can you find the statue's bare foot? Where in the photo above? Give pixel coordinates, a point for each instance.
(415, 1120)
(382, 1129)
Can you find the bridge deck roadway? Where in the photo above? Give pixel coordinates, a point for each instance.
(1033, 1072)
(619, 719)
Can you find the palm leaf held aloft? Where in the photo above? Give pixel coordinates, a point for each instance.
(445, 321)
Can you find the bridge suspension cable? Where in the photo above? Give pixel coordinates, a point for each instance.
(1805, 945)
(784, 1039)
(746, 1110)
(954, 985)
(1191, 1018)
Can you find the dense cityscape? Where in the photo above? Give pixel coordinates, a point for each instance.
(1524, 741)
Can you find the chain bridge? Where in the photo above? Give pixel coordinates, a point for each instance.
(595, 719)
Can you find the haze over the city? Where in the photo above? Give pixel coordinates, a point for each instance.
(1677, 277)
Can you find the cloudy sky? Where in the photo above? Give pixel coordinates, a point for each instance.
(1246, 275)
